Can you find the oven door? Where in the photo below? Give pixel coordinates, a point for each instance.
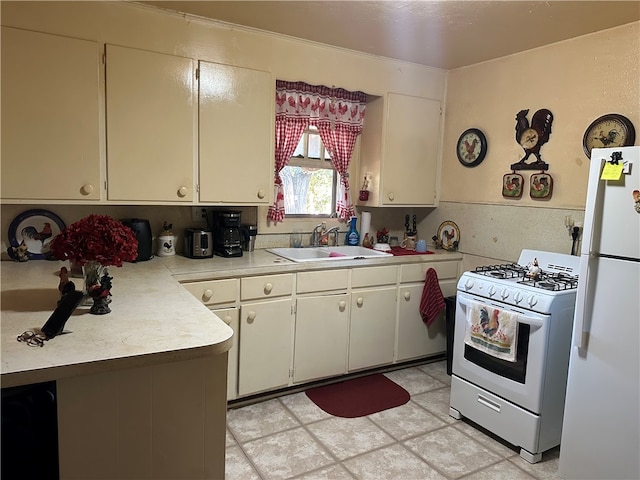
(519, 382)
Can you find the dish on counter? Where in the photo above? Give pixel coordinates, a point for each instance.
(37, 228)
(448, 235)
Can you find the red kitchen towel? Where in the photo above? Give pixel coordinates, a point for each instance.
(432, 301)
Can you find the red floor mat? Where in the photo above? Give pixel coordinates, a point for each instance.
(359, 397)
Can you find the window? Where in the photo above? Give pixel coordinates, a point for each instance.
(309, 179)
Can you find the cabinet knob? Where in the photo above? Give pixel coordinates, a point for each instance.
(392, 197)
(407, 296)
(251, 317)
(182, 191)
(260, 194)
(227, 319)
(86, 189)
(360, 301)
(207, 295)
(268, 287)
(342, 305)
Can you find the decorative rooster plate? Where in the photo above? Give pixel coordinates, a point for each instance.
(36, 228)
(448, 236)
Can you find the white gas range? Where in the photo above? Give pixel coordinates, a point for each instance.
(518, 393)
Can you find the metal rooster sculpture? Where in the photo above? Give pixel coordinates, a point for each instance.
(532, 137)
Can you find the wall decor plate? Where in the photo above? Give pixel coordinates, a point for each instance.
(37, 228)
(448, 235)
(512, 185)
(541, 185)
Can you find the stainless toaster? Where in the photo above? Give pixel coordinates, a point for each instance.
(198, 243)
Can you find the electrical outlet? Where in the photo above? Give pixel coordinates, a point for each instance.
(196, 214)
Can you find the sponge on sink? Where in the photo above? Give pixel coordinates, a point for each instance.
(336, 254)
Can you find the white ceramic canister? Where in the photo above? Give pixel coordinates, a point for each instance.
(166, 245)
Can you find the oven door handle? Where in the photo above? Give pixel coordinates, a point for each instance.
(531, 321)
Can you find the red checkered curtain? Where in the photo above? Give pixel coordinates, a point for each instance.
(292, 118)
(337, 113)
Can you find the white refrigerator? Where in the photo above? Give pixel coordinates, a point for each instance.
(601, 425)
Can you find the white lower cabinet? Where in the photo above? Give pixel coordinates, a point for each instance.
(265, 345)
(415, 339)
(373, 326)
(322, 331)
(230, 316)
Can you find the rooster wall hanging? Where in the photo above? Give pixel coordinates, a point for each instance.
(532, 137)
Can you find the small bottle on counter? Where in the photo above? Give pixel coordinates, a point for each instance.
(353, 237)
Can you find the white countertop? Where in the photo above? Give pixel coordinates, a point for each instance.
(153, 320)
(262, 262)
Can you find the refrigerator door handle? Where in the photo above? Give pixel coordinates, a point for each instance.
(582, 316)
(593, 201)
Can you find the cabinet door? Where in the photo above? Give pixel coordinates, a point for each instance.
(411, 145)
(373, 327)
(322, 329)
(415, 339)
(50, 117)
(236, 108)
(150, 126)
(230, 317)
(265, 346)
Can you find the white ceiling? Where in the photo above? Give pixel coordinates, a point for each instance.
(446, 33)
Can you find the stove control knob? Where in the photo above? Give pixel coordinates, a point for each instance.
(518, 297)
(504, 294)
(532, 301)
(468, 284)
(492, 290)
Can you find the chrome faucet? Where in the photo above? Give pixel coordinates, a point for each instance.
(335, 232)
(315, 235)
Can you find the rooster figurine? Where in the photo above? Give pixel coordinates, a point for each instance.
(532, 137)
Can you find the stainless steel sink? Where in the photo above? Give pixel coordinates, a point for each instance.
(318, 254)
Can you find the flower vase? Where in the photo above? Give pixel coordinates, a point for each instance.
(97, 285)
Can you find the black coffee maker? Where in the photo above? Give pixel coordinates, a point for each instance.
(226, 233)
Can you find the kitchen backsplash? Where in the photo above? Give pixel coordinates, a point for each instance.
(488, 233)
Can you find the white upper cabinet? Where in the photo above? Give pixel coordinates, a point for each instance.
(150, 126)
(400, 150)
(236, 134)
(50, 117)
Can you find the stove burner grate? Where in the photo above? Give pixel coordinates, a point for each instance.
(507, 270)
(552, 281)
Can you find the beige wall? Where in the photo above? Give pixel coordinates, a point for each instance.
(578, 80)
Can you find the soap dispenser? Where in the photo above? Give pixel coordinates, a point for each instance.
(353, 237)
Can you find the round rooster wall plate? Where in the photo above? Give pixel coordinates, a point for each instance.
(37, 228)
(448, 235)
(471, 147)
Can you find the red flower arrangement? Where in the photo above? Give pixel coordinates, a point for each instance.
(96, 238)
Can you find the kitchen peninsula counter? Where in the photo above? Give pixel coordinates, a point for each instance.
(141, 391)
(153, 320)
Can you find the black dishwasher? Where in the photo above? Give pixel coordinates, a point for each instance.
(30, 432)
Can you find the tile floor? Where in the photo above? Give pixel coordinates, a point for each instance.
(290, 437)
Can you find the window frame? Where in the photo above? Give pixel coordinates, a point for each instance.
(321, 163)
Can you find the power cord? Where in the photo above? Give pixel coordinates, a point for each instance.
(575, 234)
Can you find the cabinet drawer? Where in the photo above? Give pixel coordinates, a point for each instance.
(215, 291)
(322, 281)
(266, 286)
(416, 272)
(374, 276)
